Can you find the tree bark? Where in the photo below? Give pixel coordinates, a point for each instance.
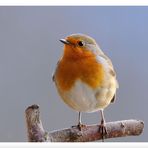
(36, 132)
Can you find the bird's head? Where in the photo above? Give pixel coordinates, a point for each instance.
(80, 45)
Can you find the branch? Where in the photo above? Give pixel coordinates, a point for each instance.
(115, 129)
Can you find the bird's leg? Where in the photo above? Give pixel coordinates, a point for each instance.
(80, 125)
(102, 127)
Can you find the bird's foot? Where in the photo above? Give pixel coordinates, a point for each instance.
(103, 130)
(80, 126)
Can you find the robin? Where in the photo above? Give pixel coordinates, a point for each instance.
(85, 77)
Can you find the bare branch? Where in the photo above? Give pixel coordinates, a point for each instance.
(35, 129)
(115, 129)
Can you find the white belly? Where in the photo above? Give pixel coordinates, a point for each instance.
(85, 99)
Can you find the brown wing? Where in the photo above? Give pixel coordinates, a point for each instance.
(53, 75)
(112, 72)
(113, 99)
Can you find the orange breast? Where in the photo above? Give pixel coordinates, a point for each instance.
(87, 70)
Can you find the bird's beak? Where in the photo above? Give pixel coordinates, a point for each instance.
(64, 41)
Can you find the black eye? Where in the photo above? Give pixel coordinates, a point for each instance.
(80, 43)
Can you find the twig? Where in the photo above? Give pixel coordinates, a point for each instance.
(115, 129)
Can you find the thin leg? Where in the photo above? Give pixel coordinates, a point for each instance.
(102, 128)
(80, 125)
(79, 119)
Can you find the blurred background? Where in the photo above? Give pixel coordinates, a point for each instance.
(30, 49)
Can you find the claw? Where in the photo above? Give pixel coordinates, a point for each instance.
(103, 131)
(102, 127)
(80, 126)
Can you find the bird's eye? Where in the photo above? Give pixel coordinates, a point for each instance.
(80, 43)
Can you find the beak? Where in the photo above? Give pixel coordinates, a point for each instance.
(64, 41)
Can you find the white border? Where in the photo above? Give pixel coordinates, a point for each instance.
(74, 2)
(74, 145)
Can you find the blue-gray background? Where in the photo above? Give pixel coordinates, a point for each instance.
(30, 48)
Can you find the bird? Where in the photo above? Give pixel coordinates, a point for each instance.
(85, 77)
